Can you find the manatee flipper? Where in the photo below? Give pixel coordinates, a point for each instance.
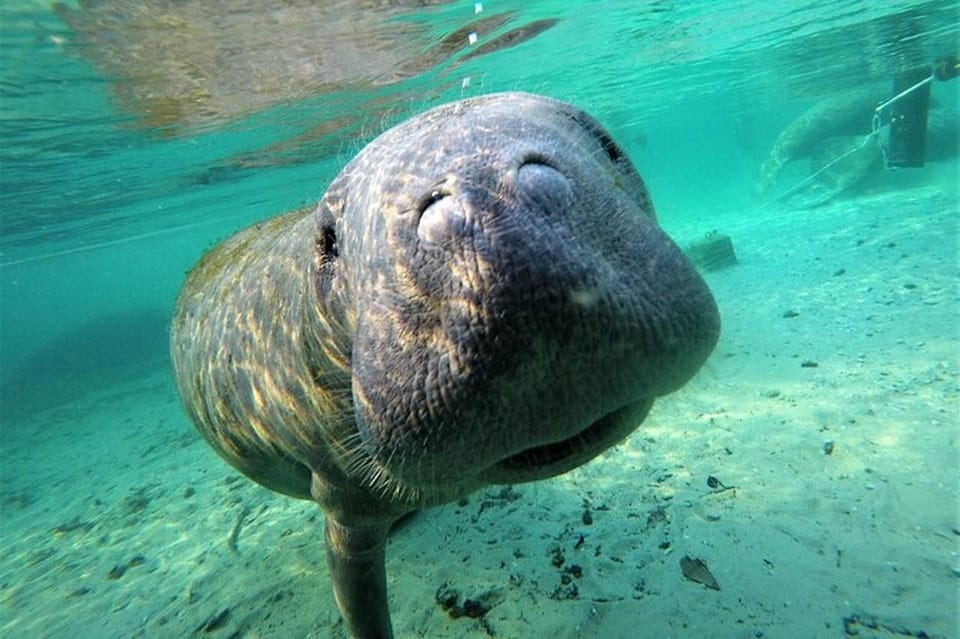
(355, 556)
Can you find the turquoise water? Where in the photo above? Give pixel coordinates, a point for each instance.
(103, 210)
(134, 138)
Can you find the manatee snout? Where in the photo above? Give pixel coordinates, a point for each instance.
(543, 307)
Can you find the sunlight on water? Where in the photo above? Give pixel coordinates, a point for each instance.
(102, 140)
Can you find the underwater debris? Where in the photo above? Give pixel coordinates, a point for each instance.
(808, 363)
(477, 607)
(713, 253)
(656, 517)
(71, 526)
(718, 486)
(19, 500)
(828, 447)
(235, 532)
(120, 569)
(117, 571)
(215, 622)
(567, 589)
(556, 557)
(136, 501)
(696, 570)
(853, 625)
(498, 499)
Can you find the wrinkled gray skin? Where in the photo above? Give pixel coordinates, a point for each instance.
(482, 296)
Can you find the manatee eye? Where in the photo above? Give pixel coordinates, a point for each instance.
(613, 150)
(329, 250)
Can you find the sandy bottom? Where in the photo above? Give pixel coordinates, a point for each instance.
(829, 413)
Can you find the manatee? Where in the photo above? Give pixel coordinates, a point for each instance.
(844, 114)
(482, 296)
(836, 164)
(837, 137)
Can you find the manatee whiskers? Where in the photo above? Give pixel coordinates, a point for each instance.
(366, 471)
(482, 296)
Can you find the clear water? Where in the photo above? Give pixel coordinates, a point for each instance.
(130, 145)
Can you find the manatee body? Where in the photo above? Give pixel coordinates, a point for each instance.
(847, 113)
(483, 295)
(835, 135)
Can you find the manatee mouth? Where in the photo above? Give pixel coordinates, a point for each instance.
(561, 456)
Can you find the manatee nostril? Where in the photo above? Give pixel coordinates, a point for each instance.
(544, 184)
(441, 218)
(429, 199)
(535, 159)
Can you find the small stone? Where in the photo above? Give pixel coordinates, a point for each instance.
(446, 597)
(474, 608)
(116, 572)
(790, 313)
(828, 447)
(808, 363)
(215, 622)
(556, 558)
(839, 271)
